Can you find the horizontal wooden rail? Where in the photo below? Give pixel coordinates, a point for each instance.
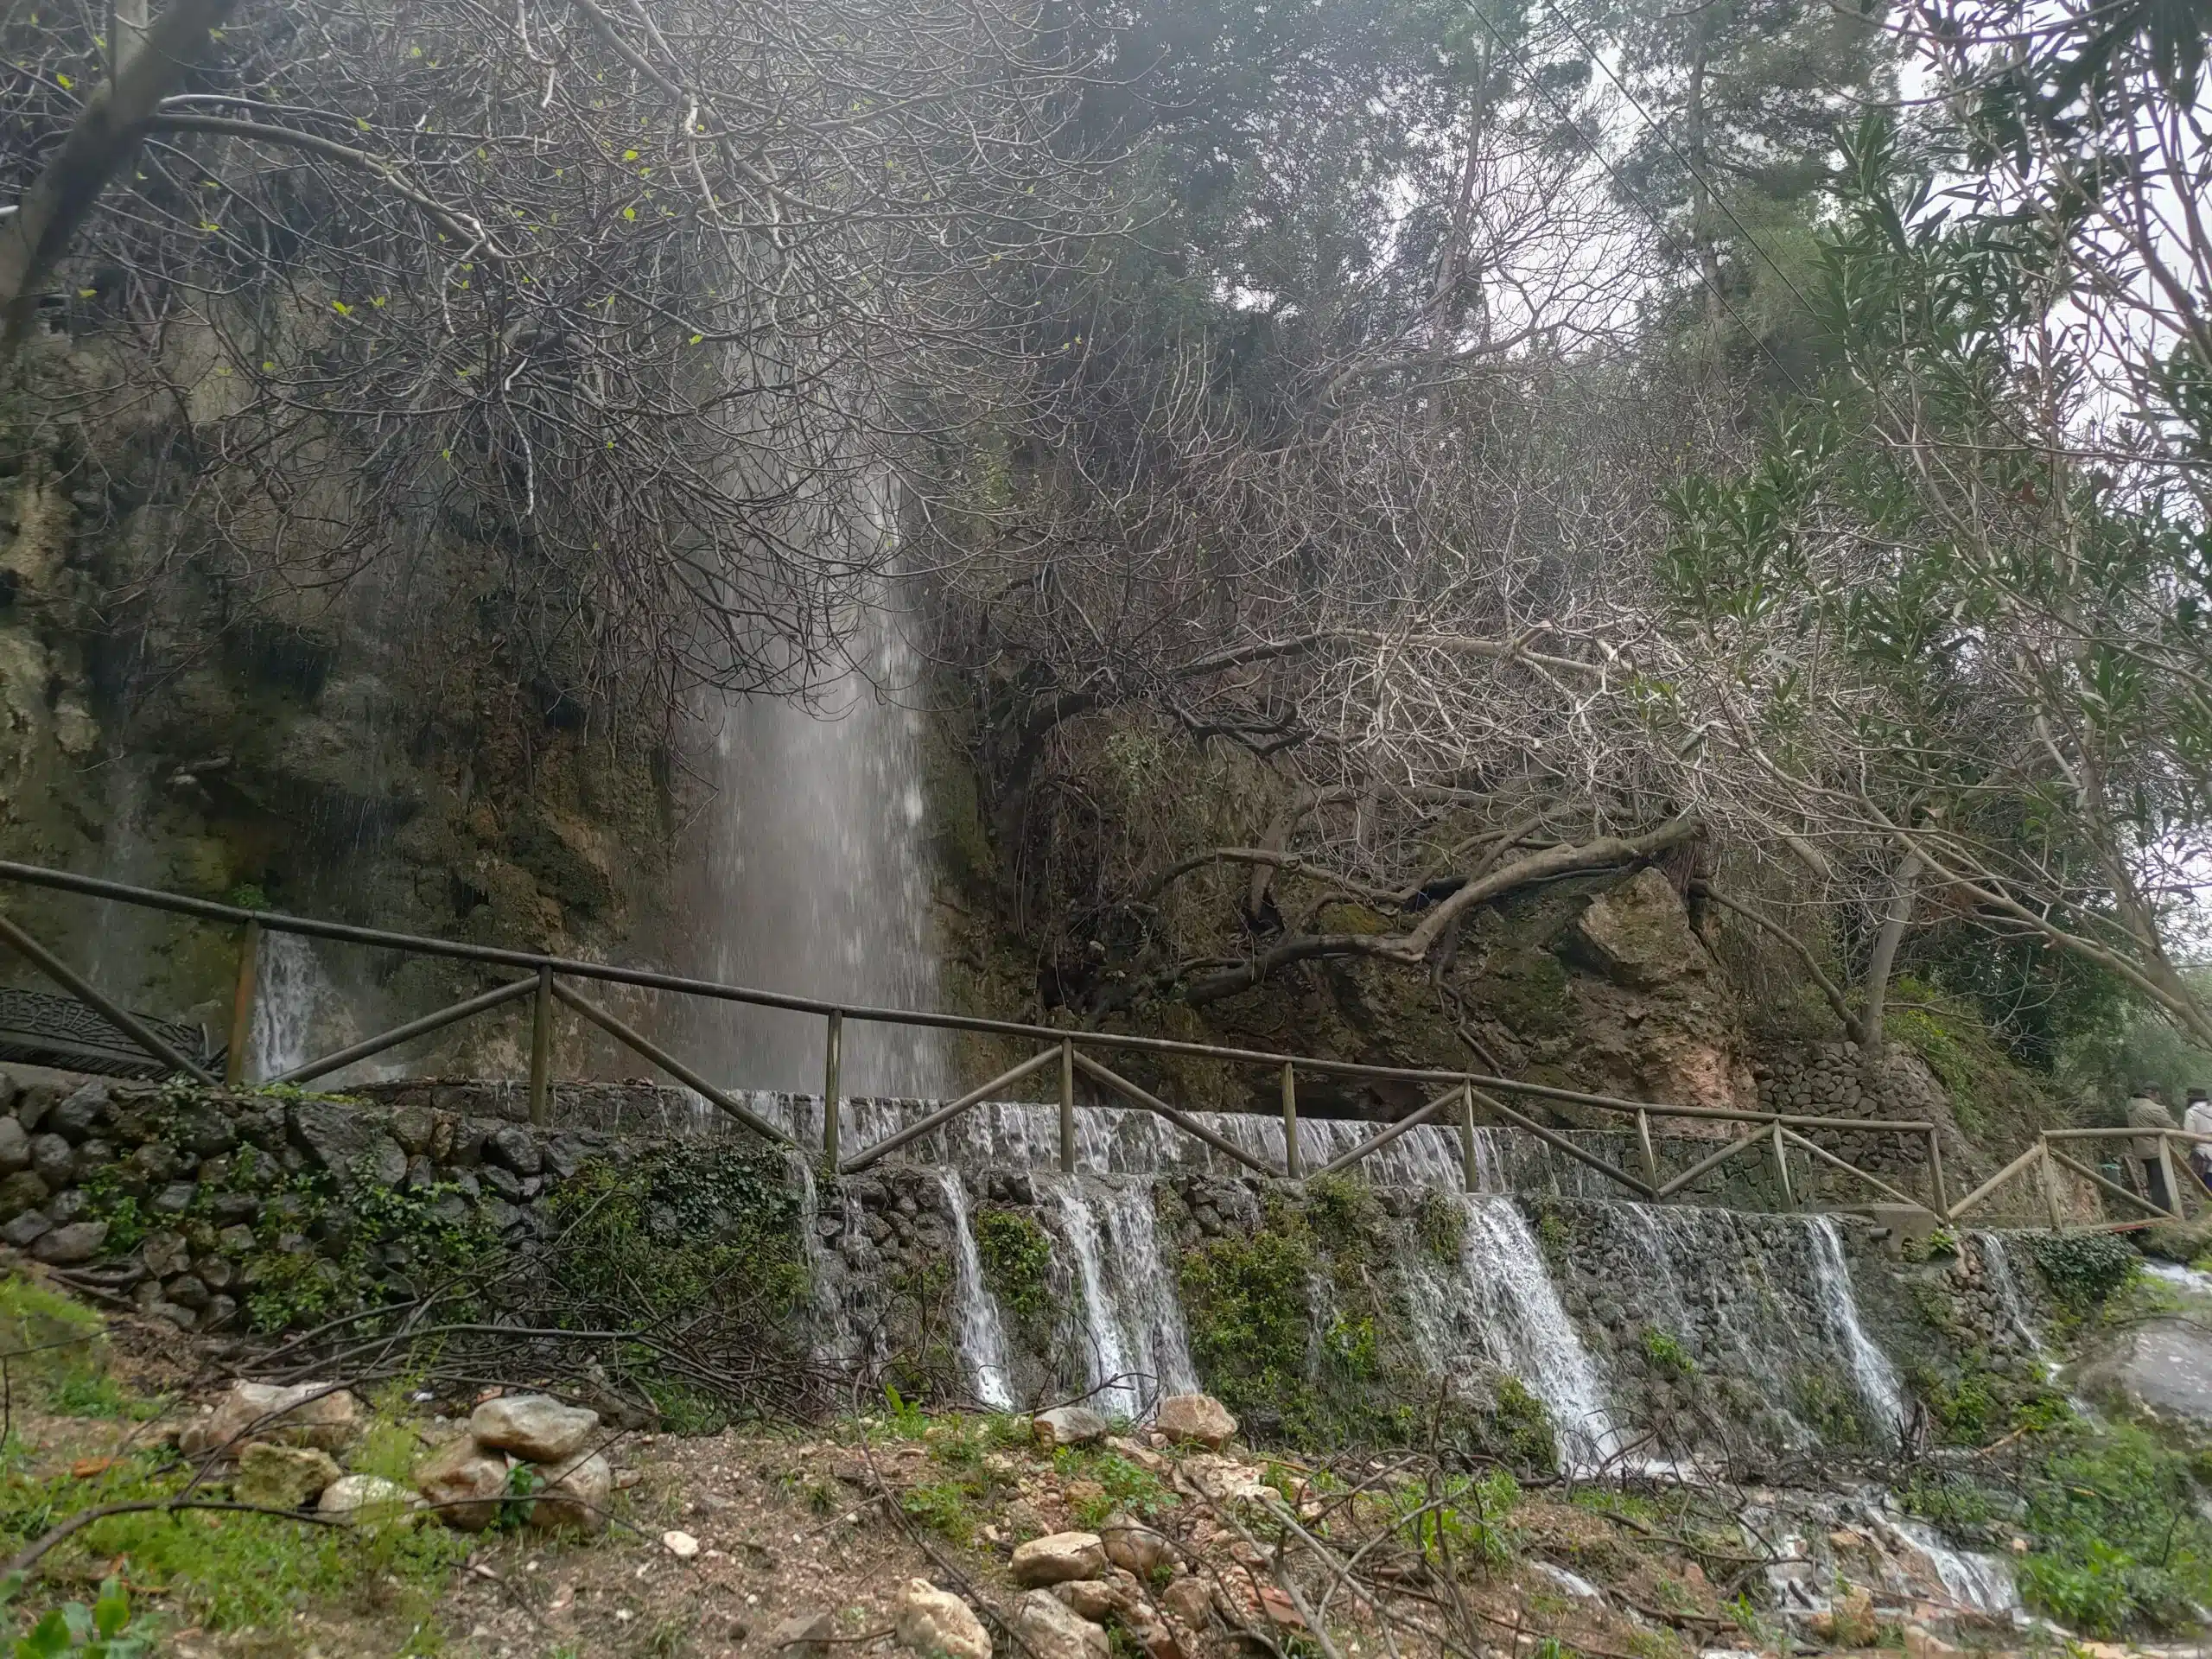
(944, 1115)
(1374, 1143)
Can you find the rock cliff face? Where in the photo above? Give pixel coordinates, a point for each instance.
(373, 751)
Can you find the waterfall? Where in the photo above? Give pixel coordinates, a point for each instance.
(983, 1335)
(838, 1342)
(1115, 1140)
(1135, 1347)
(297, 1012)
(1501, 1304)
(1871, 1370)
(1997, 1267)
(816, 877)
(1975, 1583)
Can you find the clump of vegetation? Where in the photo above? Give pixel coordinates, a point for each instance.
(1460, 1521)
(700, 1238)
(1441, 1226)
(1341, 1210)
(1125, 1485)
(106, 1630)
(2118, 1539)
(1016, 1253)
(47, 1335)
(1666, 1354)
(2083, 1270)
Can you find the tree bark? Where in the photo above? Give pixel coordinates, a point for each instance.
(1902, 882)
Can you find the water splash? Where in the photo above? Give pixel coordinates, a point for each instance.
(982, 1332)
(1975, 1583)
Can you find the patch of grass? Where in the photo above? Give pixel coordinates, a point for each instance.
(2120, 1540)
(944, 1507)
(100, 1396)
(47, 1335)
(1664, 1350)
(1128, 1486)
(1463, 1521)
(222, 1571)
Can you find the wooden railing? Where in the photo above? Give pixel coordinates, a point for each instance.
(545, 980)
(2049, 1167)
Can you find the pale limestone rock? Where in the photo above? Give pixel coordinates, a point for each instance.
(803, 1636)
(1051, 1629)
(1196, 1419)
(1189, 1600)
(1133, 1546)
(464, 1484)
(366, 1497)
(575, 1495)
(1069, 1426)
(681, 1545)
(937, 1624)
(282, 1476)
(307, 1413)
(534, 1427)
(1058, 1557)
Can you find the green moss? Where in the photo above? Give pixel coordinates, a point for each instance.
(1441, 1226)
(49, 1336)
(1342, 1211)
(1245, 1302)
(1017, 1259)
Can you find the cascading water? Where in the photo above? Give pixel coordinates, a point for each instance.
(1876, 1379)
(297, 1012)
(817, 880)
(1997, 1268)
(982, 1333)
(1501, 1304)
(1134, 1349)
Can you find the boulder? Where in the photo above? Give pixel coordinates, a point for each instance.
(79, 1112)
(2162, 1367)
(515, 1147)
(26, 1230)
(463, 1483)
(164, 1253)
(53, 1160)
(1093, 1599)
(23, 1191)
(575, 1495)
(533, 1425)
(681, 1545)
(14, 1147)
(65, 1247)
(1197, 1419)
(934, 1623)
(2181, 1241)
(282, 1476)
(1058, 1557)
(1189, 1600)
(366, 1497)
(1134, 1547)
(1639, 935)
(348, 1141)
(804, 1636)
(1069, 1426)
(307, 1413)
(1050, 1629)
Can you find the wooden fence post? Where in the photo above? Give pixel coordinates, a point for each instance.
(2049, 1173)
(242, 1005)
(541, 1047)
(1936, 1175)
(1067, 1106)
(1644, 1147)
(1781, 1167)
(1470, 1174)
(833, 1064)
(2166, 1168)
(1290, 1120)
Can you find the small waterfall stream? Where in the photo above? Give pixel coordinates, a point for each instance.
(982, 1333)
(297, 1012)
(1870, 1366)
(1134, 1349)
(1501, 1304)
